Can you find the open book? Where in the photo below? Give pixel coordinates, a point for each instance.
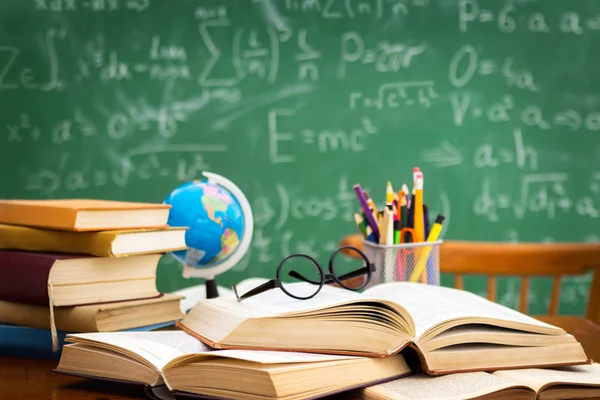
(575, 382)
(451, 330)
(186, 366)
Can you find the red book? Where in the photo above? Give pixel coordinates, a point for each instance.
(27, 277)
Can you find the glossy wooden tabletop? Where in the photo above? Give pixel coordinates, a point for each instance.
(28, 379)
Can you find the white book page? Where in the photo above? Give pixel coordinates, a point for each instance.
(278, 357)
(430, 305)
(276, 302)
(537, 377)
(158, 348)
(457, 386)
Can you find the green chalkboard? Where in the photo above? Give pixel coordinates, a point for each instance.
(498, 102)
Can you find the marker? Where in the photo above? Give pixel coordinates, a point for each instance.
(370, 220)
(397, 228)
(410, 214)
(402, 208)
(397, 240)
(433, 236)
(419, 222)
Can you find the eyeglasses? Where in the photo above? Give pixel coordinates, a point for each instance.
(306, 269)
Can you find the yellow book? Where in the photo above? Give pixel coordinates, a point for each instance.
(111, 243)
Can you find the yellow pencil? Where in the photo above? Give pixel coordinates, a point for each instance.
(419, 221)
(434, 234)
(389, 196)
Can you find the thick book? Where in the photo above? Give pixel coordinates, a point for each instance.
(28, 277)
(185, 365)
(574, 382)
(104, 317)
(24, 341)
(111, 243)
(83, 214)
(451, 330)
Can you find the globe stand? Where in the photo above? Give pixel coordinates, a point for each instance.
(212, 291)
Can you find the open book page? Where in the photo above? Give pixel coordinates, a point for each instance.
(158, 348)
(276, 302)
(457, 386)
(431, 305)
(278, 357)
(538, 378)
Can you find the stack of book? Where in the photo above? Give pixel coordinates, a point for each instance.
(398, 340)
(80, 265)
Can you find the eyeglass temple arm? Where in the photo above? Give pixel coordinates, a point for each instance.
(272, 284)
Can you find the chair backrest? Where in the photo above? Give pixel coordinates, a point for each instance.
(525, 260)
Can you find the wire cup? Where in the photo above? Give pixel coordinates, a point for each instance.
(398, 262)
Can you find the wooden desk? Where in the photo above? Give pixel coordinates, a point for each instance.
(22, 378)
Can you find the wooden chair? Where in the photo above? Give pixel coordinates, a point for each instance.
(519, 259)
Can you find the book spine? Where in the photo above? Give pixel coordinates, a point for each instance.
(24, 278)
(39, 216)
(46, 240)
(69, 319)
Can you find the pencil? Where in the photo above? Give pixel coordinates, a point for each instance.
(419, 221)
(389, 195)
(360, 223)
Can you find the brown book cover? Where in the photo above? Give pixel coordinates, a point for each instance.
(83, 214)
(24, 275)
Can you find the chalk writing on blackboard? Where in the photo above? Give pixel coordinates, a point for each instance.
(15, 76)
(91, 5)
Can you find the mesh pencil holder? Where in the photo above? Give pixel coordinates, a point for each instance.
(417, 262)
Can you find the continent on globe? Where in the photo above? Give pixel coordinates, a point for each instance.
(229, 242)
(215, 220)
(215, 200)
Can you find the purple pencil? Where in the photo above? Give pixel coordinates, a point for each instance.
(369, 215)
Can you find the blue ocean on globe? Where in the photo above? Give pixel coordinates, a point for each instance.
(214, 218)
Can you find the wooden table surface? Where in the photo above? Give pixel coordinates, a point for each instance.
(28, 379)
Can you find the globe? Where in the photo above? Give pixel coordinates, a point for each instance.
(219, 221)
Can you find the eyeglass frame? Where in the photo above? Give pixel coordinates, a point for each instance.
(326, 278)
